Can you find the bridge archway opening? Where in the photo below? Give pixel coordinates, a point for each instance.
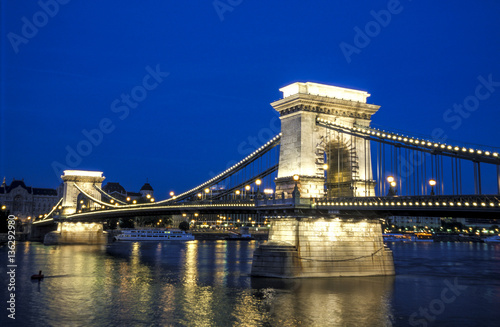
(341, 167)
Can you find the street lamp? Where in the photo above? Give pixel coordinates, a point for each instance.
(432, 183)
(258, 182)
(237, 193)
(247, 188)
(392, 189)
(171, 193)
(208, 190)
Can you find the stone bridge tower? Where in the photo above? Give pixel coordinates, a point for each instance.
(305, 146)
(85, 181)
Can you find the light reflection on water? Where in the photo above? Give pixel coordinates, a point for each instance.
(207, 284)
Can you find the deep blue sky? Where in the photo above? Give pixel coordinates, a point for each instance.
(223, 73)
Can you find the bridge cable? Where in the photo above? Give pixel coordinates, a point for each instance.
(109, 196)
(50, 212)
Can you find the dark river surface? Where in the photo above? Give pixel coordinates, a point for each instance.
(207, 283)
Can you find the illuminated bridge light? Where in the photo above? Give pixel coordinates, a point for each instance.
(479, 152)
(423, 204)
(459, 204)
(456, 148)
(437, 203)
(366, 204)
(410, 203)
(405, 139)
(464, 150)
(471, 150)
(483, 204)
(404, 203)
(444, 203)
(436, 145)
(398, 203)
(430, 203)
(452, 204)
(400, 138)
(449, 147)
(383, 135)
(417, 142)
(387, 203)
(378, 134)
(416, 203)
(487, 153)
(492, 204)
(474, 204)
(495, 154)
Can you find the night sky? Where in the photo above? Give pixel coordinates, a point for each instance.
(203, 73)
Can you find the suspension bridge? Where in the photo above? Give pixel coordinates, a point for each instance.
(329, 163)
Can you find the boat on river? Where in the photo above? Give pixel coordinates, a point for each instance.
(154, 235)
(492, 239)
(243, 235)
(407, 237)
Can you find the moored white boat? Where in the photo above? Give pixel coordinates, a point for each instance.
(154, 235)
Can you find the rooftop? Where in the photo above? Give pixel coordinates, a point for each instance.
(325, 91)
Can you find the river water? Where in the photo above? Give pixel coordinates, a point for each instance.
(207, 283)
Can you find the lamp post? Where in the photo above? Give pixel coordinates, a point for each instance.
(258, 182)
(432, 183)
(208, 190)
(325, 186)
(237, 193)
(247, 188)
(296, 192)
(392, 187)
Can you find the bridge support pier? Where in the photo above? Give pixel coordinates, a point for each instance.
(323, 247)
(77, 233)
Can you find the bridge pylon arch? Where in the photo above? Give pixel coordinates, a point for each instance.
(305, 146)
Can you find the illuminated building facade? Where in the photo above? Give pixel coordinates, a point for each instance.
(146, 193)
(27, 202)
